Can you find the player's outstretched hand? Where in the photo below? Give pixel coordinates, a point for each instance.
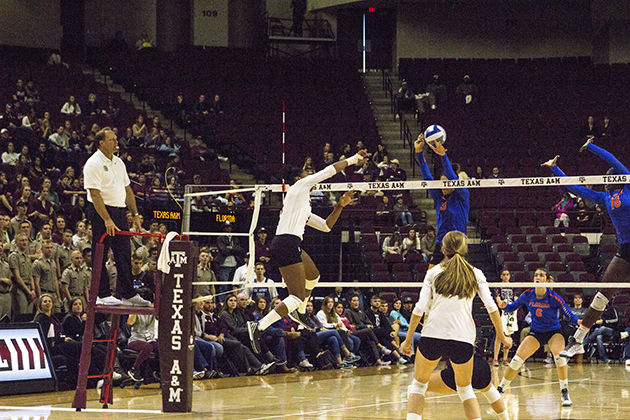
(347, 198)
(589, 140)
(419, 143)
(437, 147)
(551, 162)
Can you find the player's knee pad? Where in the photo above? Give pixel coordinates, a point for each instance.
(466, 392)
(417, 387)
(292, 302)
(560, 361)
(310, 284)
(599, 302)
(492, 394)
(516, 363)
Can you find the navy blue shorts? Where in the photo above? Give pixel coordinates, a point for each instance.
(286, 250)
(544, 337)
(457, 352)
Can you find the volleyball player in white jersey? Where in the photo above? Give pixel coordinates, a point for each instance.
(449, 329)
(296, 267)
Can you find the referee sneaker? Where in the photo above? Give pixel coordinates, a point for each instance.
(107, 183)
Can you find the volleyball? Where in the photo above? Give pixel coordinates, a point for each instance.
(435, 132)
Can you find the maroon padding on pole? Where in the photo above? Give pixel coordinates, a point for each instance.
(176, 344)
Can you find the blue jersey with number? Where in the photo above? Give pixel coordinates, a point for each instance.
(617, 203)
(451, 212)
(544, 311)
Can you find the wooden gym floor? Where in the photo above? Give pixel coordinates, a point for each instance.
(597, 391)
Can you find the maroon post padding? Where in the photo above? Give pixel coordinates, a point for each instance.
(175, 329)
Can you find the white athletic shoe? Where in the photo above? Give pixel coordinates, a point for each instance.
(306, 364)
(566, 401)
(108, 301)
(572, 348)
(136, 300)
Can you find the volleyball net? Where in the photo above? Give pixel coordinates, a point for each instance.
(269, 196)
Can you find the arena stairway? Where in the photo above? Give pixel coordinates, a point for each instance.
(389, 130)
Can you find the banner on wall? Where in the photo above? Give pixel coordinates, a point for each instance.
(210, 23)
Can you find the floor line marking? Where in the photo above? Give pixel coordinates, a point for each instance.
(320, 412)
(83, 410)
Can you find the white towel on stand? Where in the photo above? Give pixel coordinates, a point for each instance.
(162, 263)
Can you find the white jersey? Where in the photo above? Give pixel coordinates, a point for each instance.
(450, 318)
(296, 212)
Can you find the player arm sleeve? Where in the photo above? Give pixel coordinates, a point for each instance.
(318, 223)
(448, 168)
(485, 295)
(567, 312)
(422, 306)
(426, 174)
(511, 307)
(311, 180)
(581, 191)
(608, 158)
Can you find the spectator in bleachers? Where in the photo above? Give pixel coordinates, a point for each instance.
(360, 321)
(383, 166)
(152, 139)
(64, 251)
(216, 106)
(479, 173)
(229, 257)
(403, 323)
(607, 130)
(59, 227)
(5, 281)
(438, 89)
(261, 286)
(590, 128)
(402, 213)
(22, 167)
(327, 317)
(10, 157)
(583, 217)
(405, 100)
(205, 274)
(393, 244)
(458, 171)
(63, 352)
(143, 339)
(601, 332)
(45, 276)
(411, 243)
(75, 279)
(21, 216)
(32, 93)
(383, 328)
(561, 209)
(395, 172)
(139, 128)
(167, 147)
(5, 229)
(496, 174)
(59, 139)
(381, 152)
(44, 130)
(467, 91)
(427, 244)
(92, 106)
(80, 232)
(73, 324)
(29, 122)
(308, 166)
(383, 210)
(202, 107)
(23, 291)
(71, 107)
(42, 208)
(263, 248)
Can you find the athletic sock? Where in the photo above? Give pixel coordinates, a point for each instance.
(581, 333)
(268, 319)
(503, 415)
(564, 383)
(414, 416)
(504, 383)
(302, 307)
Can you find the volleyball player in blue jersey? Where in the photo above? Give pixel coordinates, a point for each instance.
(451, 205)
(616, 200)
(543, 305)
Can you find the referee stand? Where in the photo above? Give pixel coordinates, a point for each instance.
(173, 308)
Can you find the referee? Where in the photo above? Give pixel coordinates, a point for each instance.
(107, 183)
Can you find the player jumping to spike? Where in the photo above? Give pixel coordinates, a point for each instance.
(296, 266)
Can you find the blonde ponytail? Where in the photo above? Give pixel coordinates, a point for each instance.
(458, 278)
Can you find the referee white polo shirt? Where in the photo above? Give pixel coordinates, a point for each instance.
(108, 176)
